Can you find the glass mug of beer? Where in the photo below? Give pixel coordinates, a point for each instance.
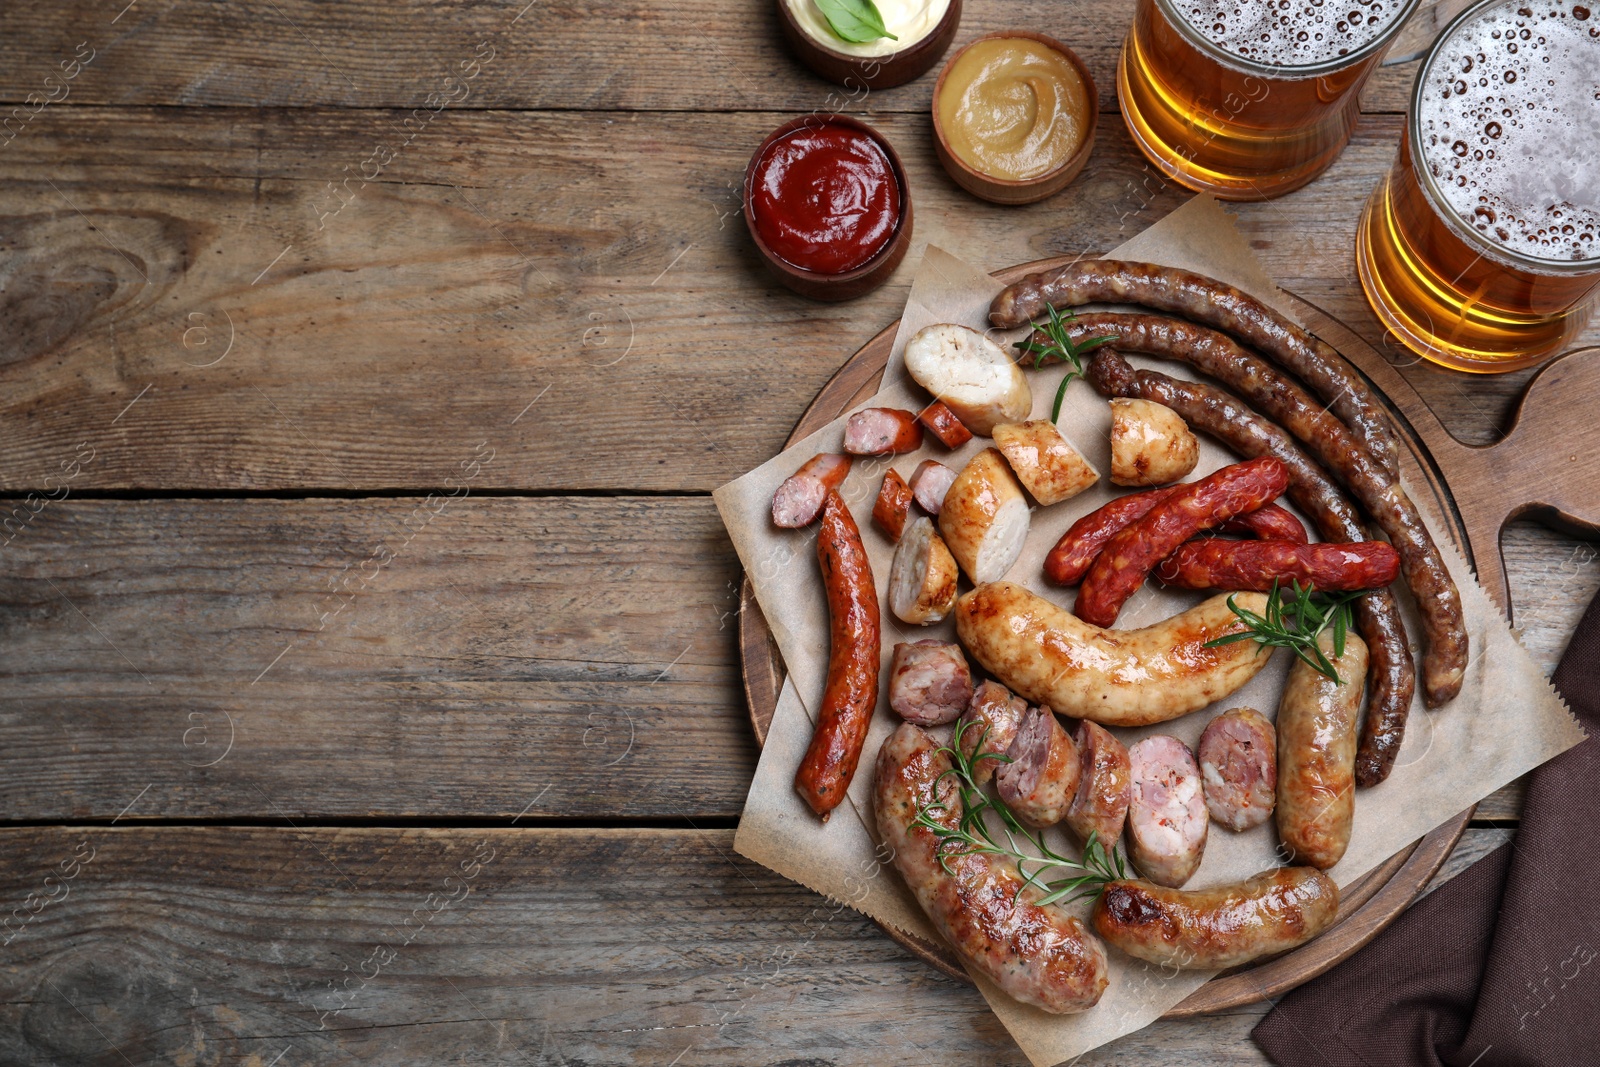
(1481, 248)
(1250, 99)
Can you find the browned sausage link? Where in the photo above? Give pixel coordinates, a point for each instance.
(1208, 929)
(1255, 565)
(943, 424)
(1391, 677)
(1270, 523)
(854, 647)
(1206, 300)
(1331, 444)
(1121, 567)
(893, 505)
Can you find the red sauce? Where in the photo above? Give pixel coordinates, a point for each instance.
(825, 198)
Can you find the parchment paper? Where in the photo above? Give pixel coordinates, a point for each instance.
(1506, 721)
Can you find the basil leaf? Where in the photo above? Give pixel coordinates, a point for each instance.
(856, 21)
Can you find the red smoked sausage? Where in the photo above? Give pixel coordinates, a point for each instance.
(893, 504)
(1253, 565)
(1270, 523)
(798, 501)
(882, 432)
(943, 424)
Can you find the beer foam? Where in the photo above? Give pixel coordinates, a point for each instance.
(1509, 127)
(1290, 33)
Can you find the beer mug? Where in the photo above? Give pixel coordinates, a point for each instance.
(1481, 248)
(1249, 99)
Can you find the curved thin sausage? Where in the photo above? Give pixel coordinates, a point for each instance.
(1219, 413)
(798, 501)
(1072, 556)
(1270, 523)
(1129, 556)
(977, 901)
(1340, 452)
(851, 694)
(1255, 565)
(1206, 300)
(893, 505)
(882, 432)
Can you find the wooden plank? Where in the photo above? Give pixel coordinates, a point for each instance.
(186, 297)
(696, 55)
(238, 945)
(505, 655)
(461, 659)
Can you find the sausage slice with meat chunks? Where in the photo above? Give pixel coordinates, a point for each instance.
(929, 682)
(1100, 806)
(1042, 777)
(1239, 768)
(1167, 815)
(993, 716)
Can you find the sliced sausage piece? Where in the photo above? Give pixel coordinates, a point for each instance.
(943, 424)
(1150, 444)
(974, 377)
(984, 519)
(1317, 755)
(798, 501)
(1072, 556)
(994, 715)
(929, 484)
(854, 651)
(1239, 768)
(1270, 523)
(893, 505)
(1100, 806)
(1331, 568)
(1121, 567)
(1042, 777)
(1209, 929)
(1044, 461)
(1167, 815)
(1039, 955)
(882, 432)
(923, 576)
(929, 682)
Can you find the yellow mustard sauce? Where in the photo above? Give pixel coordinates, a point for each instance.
(1013, 108)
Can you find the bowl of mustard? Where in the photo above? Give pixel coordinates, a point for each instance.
(1014, 116)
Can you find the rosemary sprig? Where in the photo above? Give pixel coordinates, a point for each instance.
(1058, 344)
(976, 832)
(1297, 624)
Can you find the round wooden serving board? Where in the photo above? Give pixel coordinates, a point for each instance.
(1539, 468)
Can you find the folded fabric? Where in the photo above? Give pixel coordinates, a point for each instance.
(1499, 967)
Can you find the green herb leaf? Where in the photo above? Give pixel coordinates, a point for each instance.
(856, 21)
(1296, 622)
(1059, 346)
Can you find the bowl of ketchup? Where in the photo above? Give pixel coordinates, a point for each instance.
(827, 204)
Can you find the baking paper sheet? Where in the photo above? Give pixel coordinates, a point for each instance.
(1506, 721)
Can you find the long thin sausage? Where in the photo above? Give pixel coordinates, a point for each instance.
(1255, 565)
(1270, 523)
(1391, 680)
(1340, 452)
(1128, 557)
(1206, 300)
(851, 694)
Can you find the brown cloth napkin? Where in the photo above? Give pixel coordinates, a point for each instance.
(1499, 966)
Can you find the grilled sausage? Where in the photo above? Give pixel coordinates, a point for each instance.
(882, 432)
(974, 377)
(929, 484)
(1330, 567)
(929, 682)
(1167, 814)
(1317, 755)
(1239, 768)
(922, 577)
(1120, 569)
(798, 501)
(893, 505)
(1072, 556)
(1215, 411)
(1044, 461)
(1042, 777)
(1038, 955)
(1150, 445)
(1209, 929)
(1115, 677)
(1270, 523)
(1213, 303)
(943, 424)
(994, 715)
(851, 693)
(984, 517)
(1100, 806)
(1340, 452)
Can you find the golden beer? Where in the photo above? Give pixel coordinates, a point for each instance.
(1249, 99)
(1481, 248)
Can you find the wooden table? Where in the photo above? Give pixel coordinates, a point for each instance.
(370, 691)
